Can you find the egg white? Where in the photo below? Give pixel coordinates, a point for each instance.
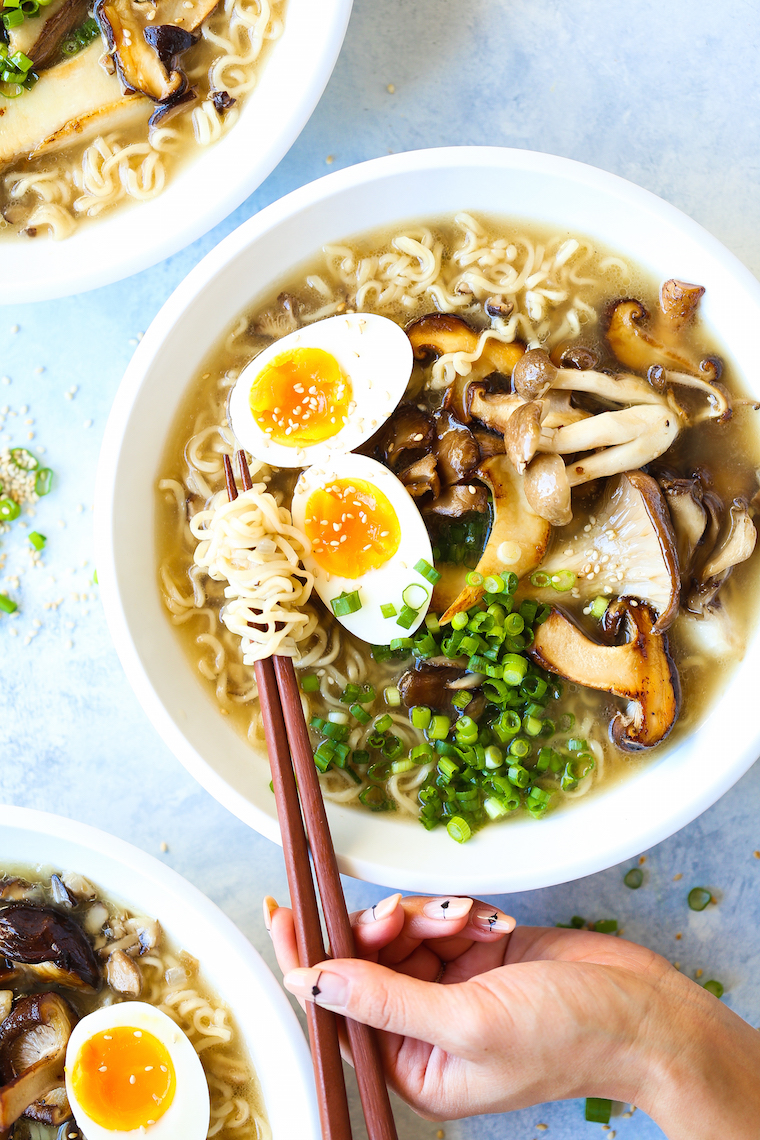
(386, 583)
(187, 1115)
(373, 352)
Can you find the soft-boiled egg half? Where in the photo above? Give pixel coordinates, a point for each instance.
(370, 551)
(131, 1072)
(324, 388)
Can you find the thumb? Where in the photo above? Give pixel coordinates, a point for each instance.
(386, 1000)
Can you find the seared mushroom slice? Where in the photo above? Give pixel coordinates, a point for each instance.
(456, 449)
(439, 334)
(640, 671)
(406, 436)
(518, 538)
(50, 945)
(40, 38)
(33, 1040)
(459, 500)
(489, 443)
(6, 1002)
(137, 63)
(421, 478)
(53, 1108)
(435, 685)
(628, 550)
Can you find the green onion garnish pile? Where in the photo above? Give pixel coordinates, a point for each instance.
(517, 752)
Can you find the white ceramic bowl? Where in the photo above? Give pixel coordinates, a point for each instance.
(230, 964)
(596, 832)
(210, 186)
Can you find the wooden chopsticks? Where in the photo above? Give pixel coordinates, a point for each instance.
(286, 735)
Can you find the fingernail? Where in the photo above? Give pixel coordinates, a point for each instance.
(447, 908)
(270, 906)
(381, 910)
(493, 920)
(318, 986)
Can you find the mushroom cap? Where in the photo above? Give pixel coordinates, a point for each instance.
(679, 301)
(630, 549)
(522, 435)
(547, 489)
(640, 671)
(50, 944)
(533, 374)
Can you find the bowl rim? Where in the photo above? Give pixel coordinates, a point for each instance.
(169, 882)
(75, 266)
(490, 879)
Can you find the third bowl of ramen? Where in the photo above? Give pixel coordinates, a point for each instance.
(134, 128)
(503, 452)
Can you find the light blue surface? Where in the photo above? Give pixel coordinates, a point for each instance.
(663, 94)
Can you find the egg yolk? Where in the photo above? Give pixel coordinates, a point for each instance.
(352, 527)
(123, 1078)
(301, 397)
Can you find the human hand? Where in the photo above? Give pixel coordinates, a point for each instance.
(523, 1016)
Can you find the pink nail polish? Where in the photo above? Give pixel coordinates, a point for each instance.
(381, 910)
(447, 908)
(494, 921)
(318, 986)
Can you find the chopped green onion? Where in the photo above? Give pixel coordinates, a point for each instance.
(540, 579)
(598, 1110)
(407, 617)
(510, 580)
(388, 610)
(351, 693)
(20, 456)
(699, 897)
(400, 766)
(43, 484)
(715, 988)
(368, 695)
(13, 19)
(7, 605)
(421, 754)
(606, 926)
(566, 722)
(399, 643)
(599, 607)
(563, 581)
(337, 716)
(359, 756)
(361, 714)
(392, 696)
(426, 570)
(9, 510)
(518, 776)
(459, 621)
(493, 585)
(309, 682)
(634, 878)
(459, 829)
(346, 603)
(383, 723)
(375, 799)
(432, 624)
(439, 728)
(462, 699)
(420, 716)
(474, 578)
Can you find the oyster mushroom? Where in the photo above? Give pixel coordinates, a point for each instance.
(458, 500)
(456, 449)
(535, 375)
(736, 544)
(494, 407)
(53, 1108)
(689, 518)
(639, 340)
(442, 334)
(123, 974)
(640, 671)
(628, 550)
(518, 537)
(33, 1040)
(50, 945)
(421, 478)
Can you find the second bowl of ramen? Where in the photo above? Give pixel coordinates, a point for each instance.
(136, 128)
(503, 467)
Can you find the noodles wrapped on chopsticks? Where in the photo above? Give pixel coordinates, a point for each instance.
(252, 545)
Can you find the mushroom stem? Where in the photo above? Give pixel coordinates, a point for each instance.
(652, 425)
(620, 389)
(718, 398)
(658, 428)
(29, 1086)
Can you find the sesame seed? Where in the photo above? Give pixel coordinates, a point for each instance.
(391, 89)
